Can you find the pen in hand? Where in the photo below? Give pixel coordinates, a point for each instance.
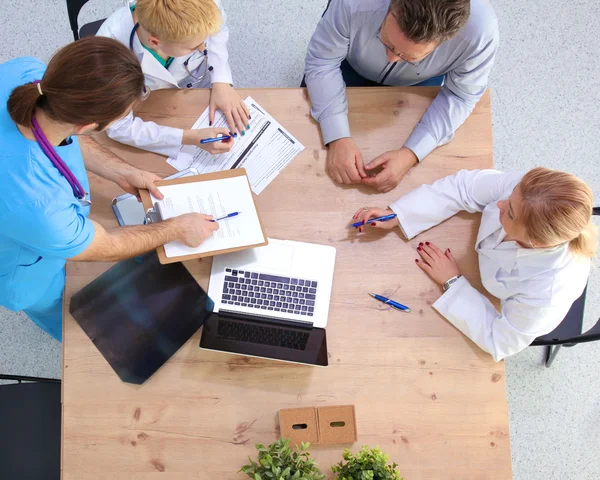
(377, 219)
(224, 138)
(229, 215)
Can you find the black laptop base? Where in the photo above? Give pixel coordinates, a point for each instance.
(255, 336)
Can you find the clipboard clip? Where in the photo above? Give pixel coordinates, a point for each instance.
(152, 215)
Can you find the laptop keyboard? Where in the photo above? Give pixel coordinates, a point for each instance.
(252, 333)
(269, 292)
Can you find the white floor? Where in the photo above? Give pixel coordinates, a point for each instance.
(545, 88)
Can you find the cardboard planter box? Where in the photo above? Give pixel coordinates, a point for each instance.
(319, 425)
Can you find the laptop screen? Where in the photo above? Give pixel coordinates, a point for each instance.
(139, 313)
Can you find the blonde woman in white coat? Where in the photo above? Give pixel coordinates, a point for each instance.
(535, 245)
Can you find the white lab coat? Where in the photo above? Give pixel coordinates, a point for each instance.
(148, 135)
(536, 286)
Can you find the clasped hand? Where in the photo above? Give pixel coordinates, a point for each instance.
(345, 165)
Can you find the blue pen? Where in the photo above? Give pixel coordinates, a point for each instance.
(391, 303)
(385, 218)
(229, 215)
(218, 139)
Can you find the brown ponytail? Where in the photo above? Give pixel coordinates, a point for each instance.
(22, 104)
(93, 80)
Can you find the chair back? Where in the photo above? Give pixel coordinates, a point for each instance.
(30, 436)
(73, 9)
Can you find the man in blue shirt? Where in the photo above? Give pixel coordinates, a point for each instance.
(398, 43)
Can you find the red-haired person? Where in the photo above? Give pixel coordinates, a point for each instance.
(46, 117)
(534, 244)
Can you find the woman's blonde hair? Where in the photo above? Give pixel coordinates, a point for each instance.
(178, 20)
(557, 208)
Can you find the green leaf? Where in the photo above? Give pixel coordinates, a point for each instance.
(257, 477)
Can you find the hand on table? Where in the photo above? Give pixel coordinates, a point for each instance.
(193, 137)
(394, 165)
(345, 162)
(440, 266)
(366, 213)
(133, 180)
(194, 228)
(225, 98)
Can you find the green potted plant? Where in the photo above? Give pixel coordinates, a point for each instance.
(279, 462)
(367, 464)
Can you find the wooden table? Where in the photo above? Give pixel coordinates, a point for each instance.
(423, 392)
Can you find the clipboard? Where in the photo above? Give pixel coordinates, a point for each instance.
(130, 212)
(153, 214)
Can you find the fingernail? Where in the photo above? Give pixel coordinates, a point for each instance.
(416, 261)
(426, 243)
(249, 117)
(210, 124)
(419, 249)
(243, 133)
(421, 244)
(231, 133)
(248, 126)
(373, 224)
(449, 251)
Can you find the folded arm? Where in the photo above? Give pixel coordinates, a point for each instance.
(463, 87)
(469, 190)
(149, 136)
(327, 49)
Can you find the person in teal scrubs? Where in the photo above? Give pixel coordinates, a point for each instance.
(87, 85)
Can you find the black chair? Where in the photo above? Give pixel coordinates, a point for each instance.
(30, 419)
(569, 332)
(89, 29)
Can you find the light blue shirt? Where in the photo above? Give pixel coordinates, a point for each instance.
(41, 222)
(348, 30)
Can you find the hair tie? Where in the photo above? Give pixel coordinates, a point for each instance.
(39, 86)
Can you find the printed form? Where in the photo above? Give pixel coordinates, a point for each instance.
(217, 198)
(264, 151)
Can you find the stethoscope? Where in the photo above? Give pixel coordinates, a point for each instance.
(61, 166)
(185, 63)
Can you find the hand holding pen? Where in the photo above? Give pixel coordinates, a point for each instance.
(383, 218)
(223, 143)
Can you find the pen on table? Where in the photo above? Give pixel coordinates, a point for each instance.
(229, 215)
(385, 218)
(391, 303)
(224, 138)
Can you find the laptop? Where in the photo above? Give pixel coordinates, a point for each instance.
(272, 302)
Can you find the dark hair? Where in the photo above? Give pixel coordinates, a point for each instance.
(426, 21)
(93, 80)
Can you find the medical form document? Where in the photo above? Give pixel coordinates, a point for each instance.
(264, 151)
(217, 198)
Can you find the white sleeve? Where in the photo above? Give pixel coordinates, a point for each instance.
(470, 190)
(149, 136)
(218, 56)
(503, 333)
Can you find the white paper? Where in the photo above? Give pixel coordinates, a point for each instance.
(217, 198)
(264, 151)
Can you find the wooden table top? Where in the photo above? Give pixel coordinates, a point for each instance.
(424, 393)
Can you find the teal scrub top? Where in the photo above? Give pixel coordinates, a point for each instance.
(41, 222)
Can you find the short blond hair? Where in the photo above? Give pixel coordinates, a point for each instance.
(178, 20)
(557, 208)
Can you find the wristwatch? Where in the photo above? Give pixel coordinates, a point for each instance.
(448, 283)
